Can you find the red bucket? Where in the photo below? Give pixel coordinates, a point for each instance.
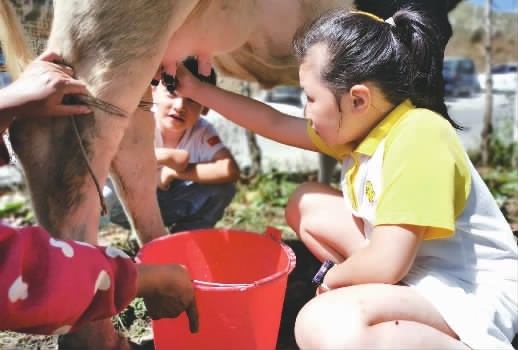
(240, 280)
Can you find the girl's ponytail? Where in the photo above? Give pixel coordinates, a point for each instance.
(421, 39)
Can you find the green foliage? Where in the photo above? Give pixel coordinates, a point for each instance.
(136, 310)
(16, 210)
(273, 188)
(501, 181)
(261, 200)
(503, 184)
(11, 208)
(502, 154)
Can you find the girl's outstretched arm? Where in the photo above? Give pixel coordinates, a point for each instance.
(246, 112)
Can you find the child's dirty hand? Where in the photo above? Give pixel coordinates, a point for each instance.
(167, 291)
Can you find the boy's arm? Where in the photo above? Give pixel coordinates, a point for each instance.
(176, 159)
(221, 169)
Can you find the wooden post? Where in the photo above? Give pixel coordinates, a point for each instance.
(487, 129)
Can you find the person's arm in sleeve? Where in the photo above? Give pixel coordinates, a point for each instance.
(53, 286)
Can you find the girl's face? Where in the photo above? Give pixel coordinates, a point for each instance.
(336, 126)
(321, 106)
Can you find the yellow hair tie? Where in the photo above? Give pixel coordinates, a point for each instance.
(368, 14)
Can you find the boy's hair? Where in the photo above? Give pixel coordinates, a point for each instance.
(191, 63)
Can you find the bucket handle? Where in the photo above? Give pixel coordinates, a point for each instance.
(273, 233)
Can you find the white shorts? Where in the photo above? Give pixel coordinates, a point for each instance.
(484, 317)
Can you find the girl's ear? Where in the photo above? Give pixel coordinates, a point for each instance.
(360, 96)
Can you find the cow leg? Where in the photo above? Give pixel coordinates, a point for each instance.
(134, 175)
(115, 48)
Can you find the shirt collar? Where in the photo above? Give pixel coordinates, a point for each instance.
(370, 143)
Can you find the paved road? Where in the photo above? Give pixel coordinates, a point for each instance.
(468, 112)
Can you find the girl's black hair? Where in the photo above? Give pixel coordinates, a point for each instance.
(403, 59)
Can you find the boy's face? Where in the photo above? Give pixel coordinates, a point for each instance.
(175, 112)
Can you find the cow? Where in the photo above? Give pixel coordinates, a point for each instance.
(116, 48)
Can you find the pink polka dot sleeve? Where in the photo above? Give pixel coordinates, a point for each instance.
(51, 286)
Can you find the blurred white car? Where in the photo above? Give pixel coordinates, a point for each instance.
(291, 95)
(505, 77)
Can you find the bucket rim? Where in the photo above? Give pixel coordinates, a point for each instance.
(270, 233)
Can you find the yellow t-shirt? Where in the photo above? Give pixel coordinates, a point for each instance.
(423, 171)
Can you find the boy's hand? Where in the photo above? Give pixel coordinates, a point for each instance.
(167, 291)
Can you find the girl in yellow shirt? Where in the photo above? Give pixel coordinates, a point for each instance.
(417, 253)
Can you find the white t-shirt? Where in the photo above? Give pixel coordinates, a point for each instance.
(201, 141)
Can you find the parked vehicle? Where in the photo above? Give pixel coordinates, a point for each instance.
(460, 76)
(5, 78)
(284, 94)
(505, 77)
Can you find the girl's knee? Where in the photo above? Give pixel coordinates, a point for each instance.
(326, 322)
(295, 206)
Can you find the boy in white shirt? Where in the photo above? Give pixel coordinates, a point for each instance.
(196, 172)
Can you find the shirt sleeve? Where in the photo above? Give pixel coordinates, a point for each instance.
(210, 143)
(51, 286)
(426, 176)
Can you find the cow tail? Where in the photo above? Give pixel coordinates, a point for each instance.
(15, 47)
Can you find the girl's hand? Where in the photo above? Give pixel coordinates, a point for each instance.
(186, 82)
(40, 89)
